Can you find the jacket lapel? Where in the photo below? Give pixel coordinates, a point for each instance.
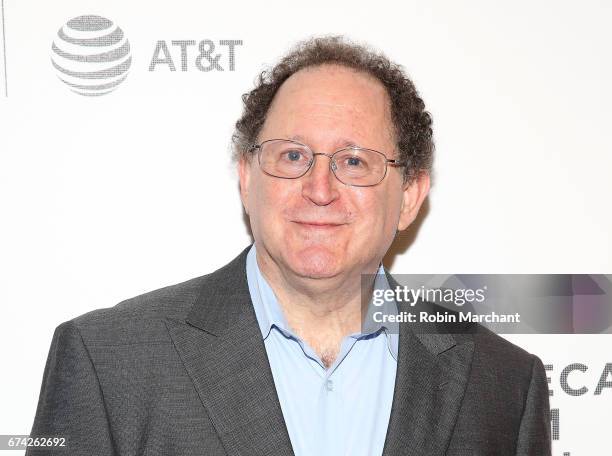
(432, 374)
(222, 349)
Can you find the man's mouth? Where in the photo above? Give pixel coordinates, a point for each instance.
(318, 223)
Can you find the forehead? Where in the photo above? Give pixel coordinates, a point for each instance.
(333, 100)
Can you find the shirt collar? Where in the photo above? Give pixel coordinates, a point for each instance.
(267, 309)
(269, 313)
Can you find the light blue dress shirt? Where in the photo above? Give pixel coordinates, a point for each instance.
(343, 410)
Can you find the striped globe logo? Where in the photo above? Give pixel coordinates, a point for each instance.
(91, 55)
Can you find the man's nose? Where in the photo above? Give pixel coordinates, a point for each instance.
(320, 184)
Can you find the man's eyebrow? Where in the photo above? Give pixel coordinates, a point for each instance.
(341, 143)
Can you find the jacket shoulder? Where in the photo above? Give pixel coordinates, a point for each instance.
(500, 361)
(494, 346)
(142, 319)
(139, 319)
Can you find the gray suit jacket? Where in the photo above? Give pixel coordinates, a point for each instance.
(183, 371)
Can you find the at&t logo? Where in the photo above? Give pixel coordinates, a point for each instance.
(91, 55)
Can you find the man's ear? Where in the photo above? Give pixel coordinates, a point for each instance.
(244, 171)
(414, 195)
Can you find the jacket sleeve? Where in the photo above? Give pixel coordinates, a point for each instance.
(534, 433)
(71, 403)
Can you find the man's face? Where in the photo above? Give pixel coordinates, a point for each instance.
(315, 226)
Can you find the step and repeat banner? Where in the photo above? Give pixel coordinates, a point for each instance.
(116, 175)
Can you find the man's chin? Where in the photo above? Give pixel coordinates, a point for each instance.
(315, 265)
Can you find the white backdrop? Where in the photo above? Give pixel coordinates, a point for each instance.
(103, 198)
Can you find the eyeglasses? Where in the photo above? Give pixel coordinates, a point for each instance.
(354, 166)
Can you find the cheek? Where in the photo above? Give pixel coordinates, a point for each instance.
(375, 209)
(269, 196)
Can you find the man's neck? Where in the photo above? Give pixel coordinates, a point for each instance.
(320, 311)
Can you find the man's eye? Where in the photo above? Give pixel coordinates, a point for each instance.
(293, 155)
(354, 162)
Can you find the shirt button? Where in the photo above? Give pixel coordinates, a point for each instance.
(329, 385)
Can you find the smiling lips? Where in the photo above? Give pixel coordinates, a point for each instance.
(318, 224)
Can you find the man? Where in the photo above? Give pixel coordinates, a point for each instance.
(270, 355)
